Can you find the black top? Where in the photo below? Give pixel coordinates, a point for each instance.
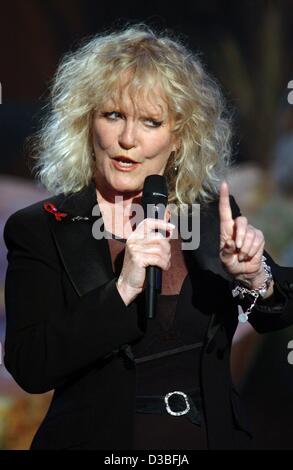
(167, 359)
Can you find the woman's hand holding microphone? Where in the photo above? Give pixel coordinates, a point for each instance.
(144, 247)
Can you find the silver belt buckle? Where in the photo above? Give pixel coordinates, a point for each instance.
(176, 413)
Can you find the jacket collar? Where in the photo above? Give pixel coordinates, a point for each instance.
(86, 260)
(80, 203)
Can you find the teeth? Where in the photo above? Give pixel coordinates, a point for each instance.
(122, 163)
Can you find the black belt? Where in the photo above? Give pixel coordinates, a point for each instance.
(175, 403)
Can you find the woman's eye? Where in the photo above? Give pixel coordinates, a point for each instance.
(113, 115)
(153, 123)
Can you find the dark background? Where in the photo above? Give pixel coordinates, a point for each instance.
(246, 45)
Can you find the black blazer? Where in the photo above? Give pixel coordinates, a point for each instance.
(69, 330)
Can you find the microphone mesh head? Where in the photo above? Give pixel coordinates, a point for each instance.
(155, 196)
(155, 186)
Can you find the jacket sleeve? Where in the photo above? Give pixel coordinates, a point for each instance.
(46, 342)
(276, 312)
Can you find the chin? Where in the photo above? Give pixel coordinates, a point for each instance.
(123, 187)
(127, 190)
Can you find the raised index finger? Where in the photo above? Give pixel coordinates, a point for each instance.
(224, 204)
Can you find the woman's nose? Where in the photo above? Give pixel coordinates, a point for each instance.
(127, 137)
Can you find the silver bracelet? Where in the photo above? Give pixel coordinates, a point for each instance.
(260, 291)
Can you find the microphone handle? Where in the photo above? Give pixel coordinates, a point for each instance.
(153, 273)
(153, 288)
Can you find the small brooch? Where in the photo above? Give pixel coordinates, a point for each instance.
(79, 217)
(49, 207)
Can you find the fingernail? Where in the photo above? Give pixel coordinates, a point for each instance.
(172, 226)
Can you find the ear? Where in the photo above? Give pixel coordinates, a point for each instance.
(176, 143)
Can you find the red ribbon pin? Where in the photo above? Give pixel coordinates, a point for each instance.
(49, 207)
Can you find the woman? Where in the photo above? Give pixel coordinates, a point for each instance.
(125, 106)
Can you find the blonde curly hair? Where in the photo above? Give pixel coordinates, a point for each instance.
(86, 77)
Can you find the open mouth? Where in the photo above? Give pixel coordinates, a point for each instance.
(125, 162)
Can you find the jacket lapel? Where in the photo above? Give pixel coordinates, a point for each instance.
(206, 258)
(86, 260)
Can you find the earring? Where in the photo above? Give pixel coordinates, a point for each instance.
(175, 163)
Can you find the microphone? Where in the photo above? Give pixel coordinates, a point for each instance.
(154, 202)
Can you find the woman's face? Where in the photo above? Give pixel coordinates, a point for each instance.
(130, 142)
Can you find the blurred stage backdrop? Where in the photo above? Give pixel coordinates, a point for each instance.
(247, 46)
